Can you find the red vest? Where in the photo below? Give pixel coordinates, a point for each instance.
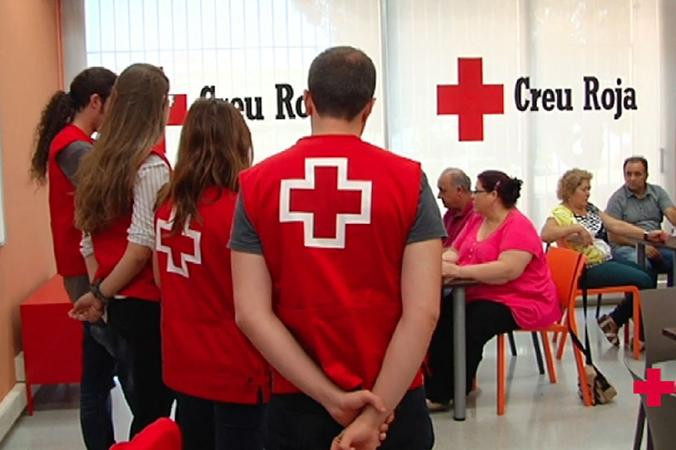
(203, 352)
(109, 246)
(333, 214)
(66, 237)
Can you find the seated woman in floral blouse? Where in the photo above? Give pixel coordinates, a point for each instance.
(581, 226)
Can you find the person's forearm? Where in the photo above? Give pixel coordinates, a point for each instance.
(421, 276)
(403, 358)
(92, 266)
(132, 262)
(618, 239)
(625, 230)
(495, 272)
(553, 233)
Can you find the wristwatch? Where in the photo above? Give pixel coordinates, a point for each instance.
(95, 288)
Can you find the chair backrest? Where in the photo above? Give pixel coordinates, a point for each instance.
(163, 434)
(660, 418)
(566, 267)
(658, 311)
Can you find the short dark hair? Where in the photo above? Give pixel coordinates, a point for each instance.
(635, 159)
(341, 81)
(508, 189)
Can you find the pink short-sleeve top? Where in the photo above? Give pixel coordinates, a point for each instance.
(531, 297)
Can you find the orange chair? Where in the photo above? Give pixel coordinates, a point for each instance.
(566, 267)
(636, 317)
(163, 434)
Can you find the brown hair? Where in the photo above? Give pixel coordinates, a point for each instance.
(215, 147)
(134, 123)
(570, 181)
(61, 110)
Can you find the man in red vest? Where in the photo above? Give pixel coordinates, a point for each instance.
(336, 246)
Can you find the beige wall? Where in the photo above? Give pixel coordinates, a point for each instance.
(28, 76)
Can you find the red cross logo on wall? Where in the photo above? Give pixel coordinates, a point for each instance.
(470, 99)
(654, 388)
(325, 201)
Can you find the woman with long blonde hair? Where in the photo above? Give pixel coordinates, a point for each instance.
(118, 184)
(221, 381)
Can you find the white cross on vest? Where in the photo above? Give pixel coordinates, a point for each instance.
(313, 189)
(194, 235)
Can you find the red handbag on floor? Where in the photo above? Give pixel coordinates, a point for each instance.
(163, 434)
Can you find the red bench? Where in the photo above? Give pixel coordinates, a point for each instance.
(52, 342)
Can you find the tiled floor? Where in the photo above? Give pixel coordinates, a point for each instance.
(539, 415)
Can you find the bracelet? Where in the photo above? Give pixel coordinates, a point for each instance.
(95, 288)
(645, 236)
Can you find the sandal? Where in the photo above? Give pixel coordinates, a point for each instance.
(610, 329)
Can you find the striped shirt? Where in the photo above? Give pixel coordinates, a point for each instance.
(151, 176)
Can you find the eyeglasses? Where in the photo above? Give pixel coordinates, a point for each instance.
(477, 191)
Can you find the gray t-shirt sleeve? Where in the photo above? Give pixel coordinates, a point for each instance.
(615, 205)
(428, 223)
(243, 236)
(69, 158)
(663, 199)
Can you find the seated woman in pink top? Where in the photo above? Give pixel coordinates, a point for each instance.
(500, 248)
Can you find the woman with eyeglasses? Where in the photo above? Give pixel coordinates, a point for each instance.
(500, 248)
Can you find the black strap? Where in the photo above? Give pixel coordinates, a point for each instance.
(586, 348)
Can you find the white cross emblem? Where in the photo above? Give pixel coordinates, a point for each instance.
(307, 218)
(196, 236)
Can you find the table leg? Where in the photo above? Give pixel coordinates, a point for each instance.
(459, 357)
(640, 254)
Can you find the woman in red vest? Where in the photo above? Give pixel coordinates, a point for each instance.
(63, 136)
(118, 184)
(222, 383)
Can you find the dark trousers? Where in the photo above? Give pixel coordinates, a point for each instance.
(618, 273)
(208, 424)
(98, 368)
(296, 422)
(484, 320)
(137, 349)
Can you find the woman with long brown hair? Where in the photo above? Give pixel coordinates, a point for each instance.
(220, 380)
(118, 184)
(63, 136)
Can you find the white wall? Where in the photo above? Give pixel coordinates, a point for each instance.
(555, 43)
(244, 48)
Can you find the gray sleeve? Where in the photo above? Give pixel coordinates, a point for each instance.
(428, 224)
(615, 207)
(663, 199)
(69, 158)
(243, 237)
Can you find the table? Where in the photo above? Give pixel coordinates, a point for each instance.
(640, 250)
(459, 346)
(52, 342)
